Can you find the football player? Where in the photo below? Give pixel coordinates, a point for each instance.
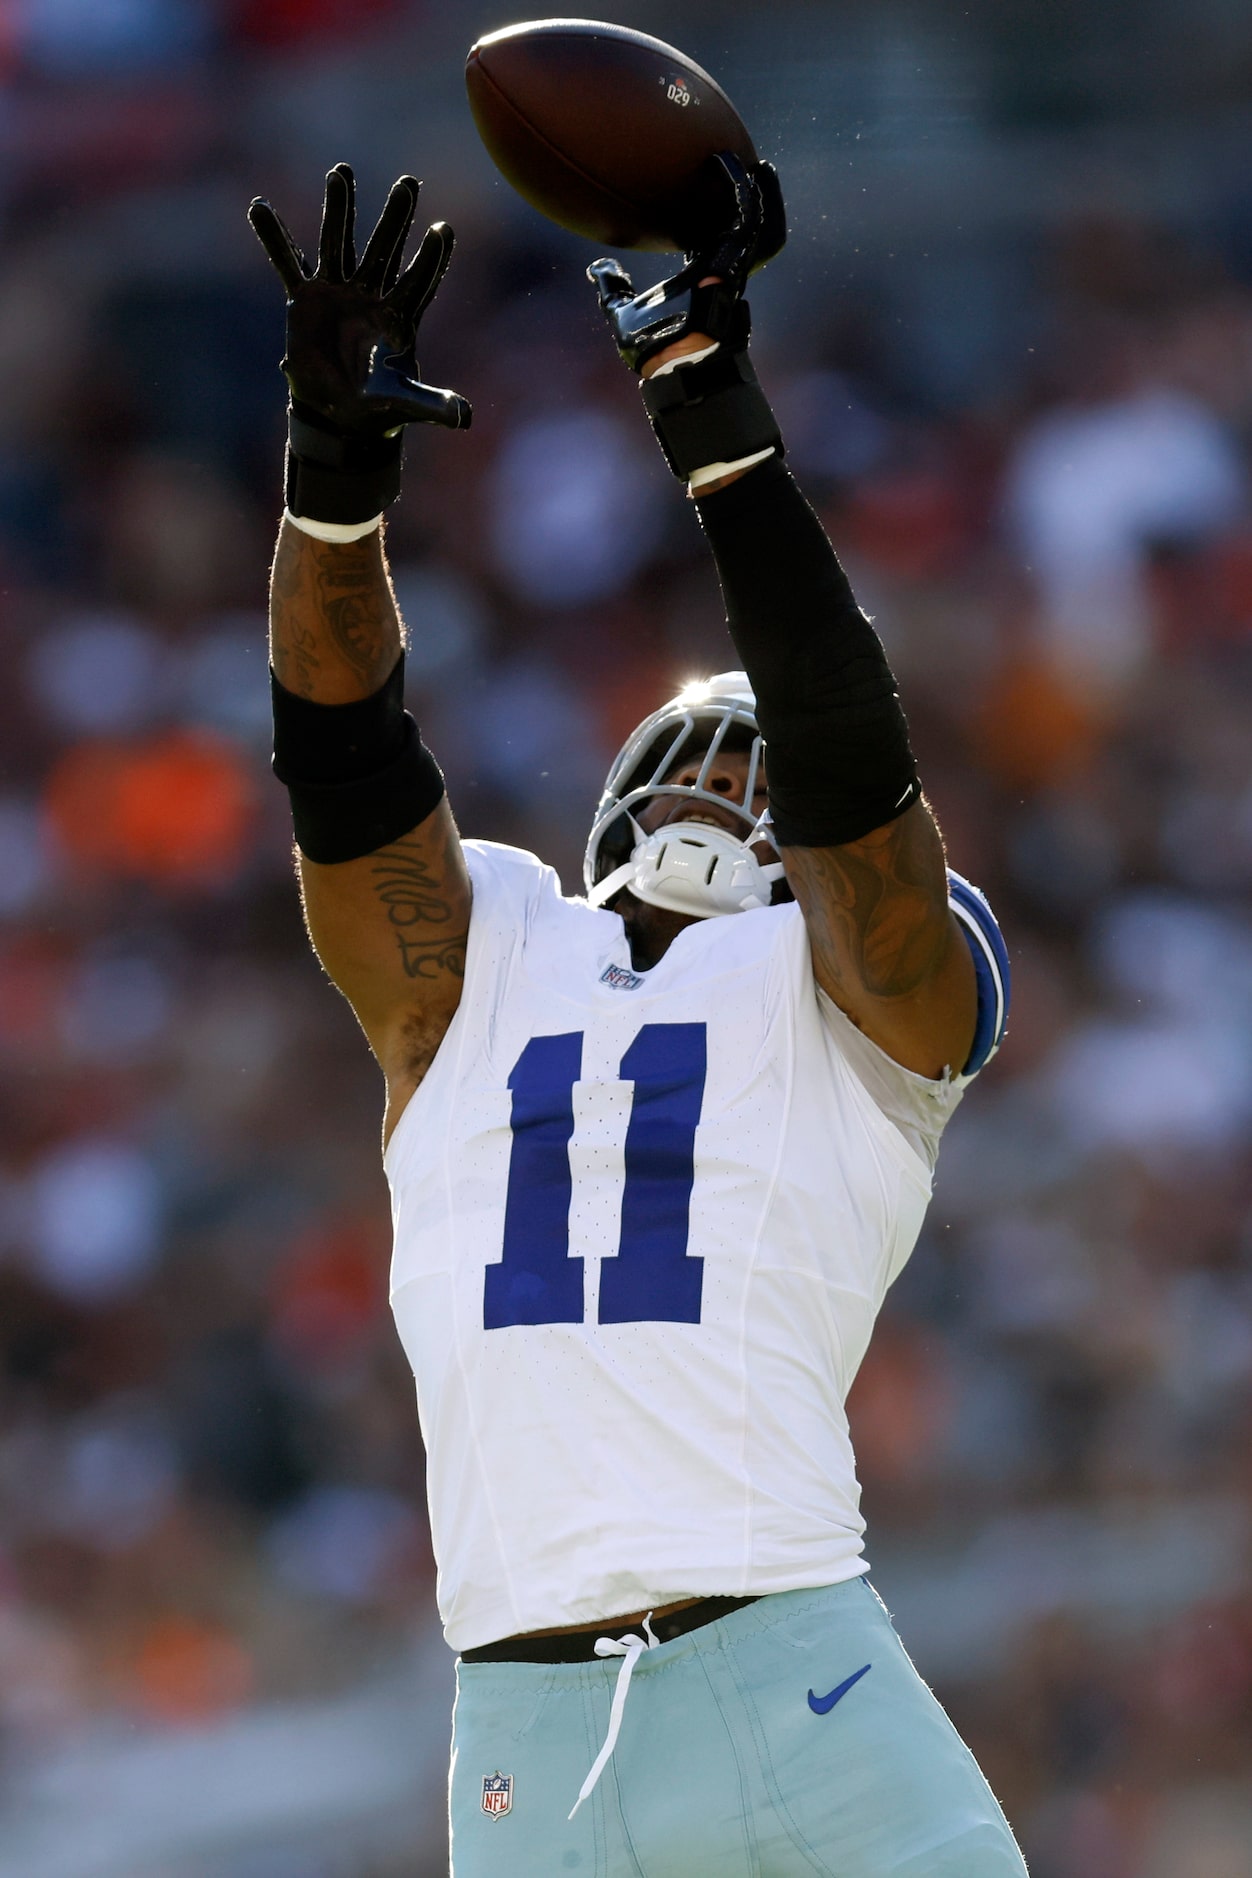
(655, 1152)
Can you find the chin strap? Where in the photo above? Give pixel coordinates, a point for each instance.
(693, 867)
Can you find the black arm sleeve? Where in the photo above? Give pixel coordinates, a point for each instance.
(359, 775)
(839, 762)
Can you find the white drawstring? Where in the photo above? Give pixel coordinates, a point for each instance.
(630, 1648)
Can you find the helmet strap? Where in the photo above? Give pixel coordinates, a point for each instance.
(689, 867)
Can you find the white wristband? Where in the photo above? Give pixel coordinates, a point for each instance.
(331, 531)
(712, 471)
(685, 358)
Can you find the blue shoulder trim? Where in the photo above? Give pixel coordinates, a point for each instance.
(991, 969)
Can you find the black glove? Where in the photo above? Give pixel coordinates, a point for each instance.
(713, 411)
(644, 324)
(350, 359)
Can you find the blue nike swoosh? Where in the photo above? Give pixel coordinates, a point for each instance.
(822, 1704)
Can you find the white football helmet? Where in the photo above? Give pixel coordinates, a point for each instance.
(690, 866)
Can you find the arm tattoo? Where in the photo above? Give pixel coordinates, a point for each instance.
(332, 615)
(410, 887)
(351, 604)
(427, 958)
(876, 910)
(293, 641)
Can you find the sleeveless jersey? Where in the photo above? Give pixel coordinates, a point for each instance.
(643, 1224)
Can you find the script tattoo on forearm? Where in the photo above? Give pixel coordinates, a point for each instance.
(411, 890)
(331, 608)
(876, 910)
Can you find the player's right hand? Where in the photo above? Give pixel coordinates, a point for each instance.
(705, 297)
(352, 326)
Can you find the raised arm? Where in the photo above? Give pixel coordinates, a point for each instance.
(385, 890)
(859, 844)
(861, 850)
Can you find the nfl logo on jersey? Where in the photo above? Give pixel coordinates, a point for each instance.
(497, 1794)
(620, 979)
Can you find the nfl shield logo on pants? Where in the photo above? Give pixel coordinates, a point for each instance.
(497, 1794)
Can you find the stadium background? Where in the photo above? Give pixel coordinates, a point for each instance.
(1011, 342)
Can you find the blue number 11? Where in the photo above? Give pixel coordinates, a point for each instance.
(651, 1277)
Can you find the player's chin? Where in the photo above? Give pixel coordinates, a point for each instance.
(654, 926)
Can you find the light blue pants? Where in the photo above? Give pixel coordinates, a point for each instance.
(724, 1767)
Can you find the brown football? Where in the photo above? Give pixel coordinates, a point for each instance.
(606, 131)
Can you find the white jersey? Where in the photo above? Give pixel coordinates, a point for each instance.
(643, 1225)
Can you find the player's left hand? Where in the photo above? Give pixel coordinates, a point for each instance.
(705, 297)
(352, 326)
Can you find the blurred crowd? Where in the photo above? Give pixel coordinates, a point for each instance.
(210, 1470)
